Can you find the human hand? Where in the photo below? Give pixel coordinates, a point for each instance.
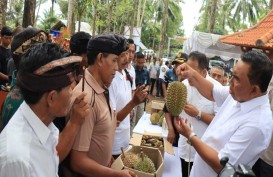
(184, 71)
(79, 110)
(191, 110)
(140, 95)
(182, 126)
(117, 123)
(171, 136)
(127, 173)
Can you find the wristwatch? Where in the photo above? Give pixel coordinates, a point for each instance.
(198, 115)
(190, 137)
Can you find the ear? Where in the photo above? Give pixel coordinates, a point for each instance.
(204, 73)
(99, 58)
(51, 98)
(255, 90)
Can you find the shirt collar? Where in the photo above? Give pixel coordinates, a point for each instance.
(93, 83)
(41, 130)
(251, 104)
(120, 75)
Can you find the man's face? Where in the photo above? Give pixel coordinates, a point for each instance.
(6, 40)
(240, 87)
(131, 52)
(123, 60)
(217, 74)
(140, 63)
(195, 65)
(109, 66)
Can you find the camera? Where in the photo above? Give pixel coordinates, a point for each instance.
(232, 171)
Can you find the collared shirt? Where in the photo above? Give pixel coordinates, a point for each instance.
(198, 126)
(170, 76)
(142, 76)
(96, 135)
(120, 95)
(154, 67)
(240, 131)
(132, 73)
(28, 146)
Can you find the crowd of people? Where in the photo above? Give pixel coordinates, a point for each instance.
(69, 113)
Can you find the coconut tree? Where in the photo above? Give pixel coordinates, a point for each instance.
(29, 13)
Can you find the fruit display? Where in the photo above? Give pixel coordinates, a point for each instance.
(152, 141)
(176, 98)
(154, 118)
(129, 159)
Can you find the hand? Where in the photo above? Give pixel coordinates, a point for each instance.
(79, 110)
(117, 123)
(191, 110)
(127, 173)
(140, 95)
(184, 71)
(182, 126)
(171, 136)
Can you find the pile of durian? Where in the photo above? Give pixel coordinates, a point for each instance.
(157, 118)
(138, 161)
(152, 141)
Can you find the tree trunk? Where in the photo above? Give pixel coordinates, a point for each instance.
(115, 19)
(133, 19)
(142, 15)
(52, 7)
(138, 12)
(212, 15)
(110, 9)
(156, 14)
(36, 16)
(163, 27)
(70, 16)
(29, 13)
(4, 11)
(1, 14)
(94, 18)
(271, 4)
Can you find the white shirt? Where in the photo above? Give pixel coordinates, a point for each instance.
(163, 70)
(153, 70)
(120, 94)
(198, 126)
(132, 73)
(28, 147)
(240, 131)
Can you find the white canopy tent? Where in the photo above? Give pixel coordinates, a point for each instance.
(210, 45)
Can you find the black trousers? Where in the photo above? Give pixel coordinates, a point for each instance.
(184, 167)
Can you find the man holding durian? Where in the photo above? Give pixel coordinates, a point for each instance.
(242, 128)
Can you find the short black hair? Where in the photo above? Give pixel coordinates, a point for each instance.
(131, 41)
(200, 58)
(260, 71)
(139, 55)
(166, 62)
(78, 42)
(6, 31)
(36, 57)
(92, 55)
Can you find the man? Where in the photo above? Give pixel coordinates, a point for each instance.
(198, 111)
(29, 143)
(264, 165)
(153, 70)
(242, 128)
(162, 71)
(142, 78)
(92, 150)
(217, 73)
(5, 54)
(123, 103)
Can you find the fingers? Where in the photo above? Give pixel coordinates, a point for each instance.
(132, 174)
(80, 97)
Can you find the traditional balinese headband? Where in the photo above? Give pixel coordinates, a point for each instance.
(41, 81)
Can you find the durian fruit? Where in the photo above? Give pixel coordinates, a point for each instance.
(154, 118)
(144, 164)
(130, 159)
(176, 98)
(161, 113)
(161, 120)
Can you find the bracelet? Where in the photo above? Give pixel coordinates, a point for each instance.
(198, 117)
(190, 137)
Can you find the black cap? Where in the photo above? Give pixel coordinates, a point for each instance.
(108, 43)
(78, 42)
(6, 31)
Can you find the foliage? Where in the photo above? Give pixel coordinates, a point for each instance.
(48, 21)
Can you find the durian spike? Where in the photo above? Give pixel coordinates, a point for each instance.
(142, 155)
(122, 150)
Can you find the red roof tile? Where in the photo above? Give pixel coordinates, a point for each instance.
(257, 36)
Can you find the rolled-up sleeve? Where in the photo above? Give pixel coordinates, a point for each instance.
(220, 94)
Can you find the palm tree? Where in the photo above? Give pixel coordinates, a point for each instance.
(29, 13)
(70, 15)
(163, 29)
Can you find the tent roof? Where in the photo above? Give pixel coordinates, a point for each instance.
(258, 36)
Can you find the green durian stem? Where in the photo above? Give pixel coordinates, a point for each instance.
(122, 150)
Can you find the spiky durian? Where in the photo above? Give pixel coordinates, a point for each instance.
(145, 164)
(154, 118)
(176, 98)
(130, 159)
